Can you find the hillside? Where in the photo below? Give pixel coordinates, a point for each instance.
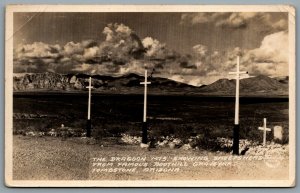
(259, 85)
(130, 83)
(78, 82)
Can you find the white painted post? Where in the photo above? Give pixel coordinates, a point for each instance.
(145, 96)
(89, 123)
(237, 90)
(89, 100)
(264, 129)
(237, 107)
(144, 125)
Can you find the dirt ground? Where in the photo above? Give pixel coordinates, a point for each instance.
(51, 158)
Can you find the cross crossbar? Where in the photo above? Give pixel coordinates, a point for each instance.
(263, 128)
(145, 83)
(240, 72)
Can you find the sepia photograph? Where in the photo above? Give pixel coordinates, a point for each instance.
(150, 96)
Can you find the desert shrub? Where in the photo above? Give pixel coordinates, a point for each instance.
(135, 132)
(99, 133)
(103, 130)
(224, 131)
(244, 132)
(210, 144)
(184, 132)
(204, 140)
(160, 128)
(285, 139)
(22, 126)
(116, 131)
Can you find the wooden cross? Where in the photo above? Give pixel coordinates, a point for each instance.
(145, 96)
(237, 90)
(89, 100)
(236, 115)
(89, 123)
(144, 135)
(264, 129)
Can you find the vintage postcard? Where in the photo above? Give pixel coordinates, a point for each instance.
(150, 96)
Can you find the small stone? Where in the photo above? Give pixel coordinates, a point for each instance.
(144, 146)
(172, 145)
(186, 147)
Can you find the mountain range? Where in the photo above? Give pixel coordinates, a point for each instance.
(130, 84)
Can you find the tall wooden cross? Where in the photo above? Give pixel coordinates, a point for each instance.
(89, 123)
(236, 128)
(144, 127)
(264, 129)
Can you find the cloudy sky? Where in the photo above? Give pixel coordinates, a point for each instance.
(195, 48)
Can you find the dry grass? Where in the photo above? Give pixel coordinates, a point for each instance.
(50, 158)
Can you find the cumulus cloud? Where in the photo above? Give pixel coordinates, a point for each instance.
(121, 46)
(234, 19)
(154, 48)
(123, 52)
(201, 66)
(271, 58)
(157, 55)
(83, 67)
(191, 80)
(195, 81)
(38, 50)
(282, 24)
(200, 50)
(90, 53)
(202, 61)
(116, 31)
(178, 78)
(33, 57)
(72, 48)
(185, 61)
(196, 18)
(204, 66)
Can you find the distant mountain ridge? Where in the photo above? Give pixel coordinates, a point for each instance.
(130, 83)
(258, 84)
(53, 81)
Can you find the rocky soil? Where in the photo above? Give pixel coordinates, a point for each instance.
(51, 158)
(247, 147)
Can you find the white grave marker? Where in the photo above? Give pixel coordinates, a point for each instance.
(278, 132)
(237, 90)
(89, 124)
(89, 100)
(144, 135)
(236, 115)
(264, 129)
